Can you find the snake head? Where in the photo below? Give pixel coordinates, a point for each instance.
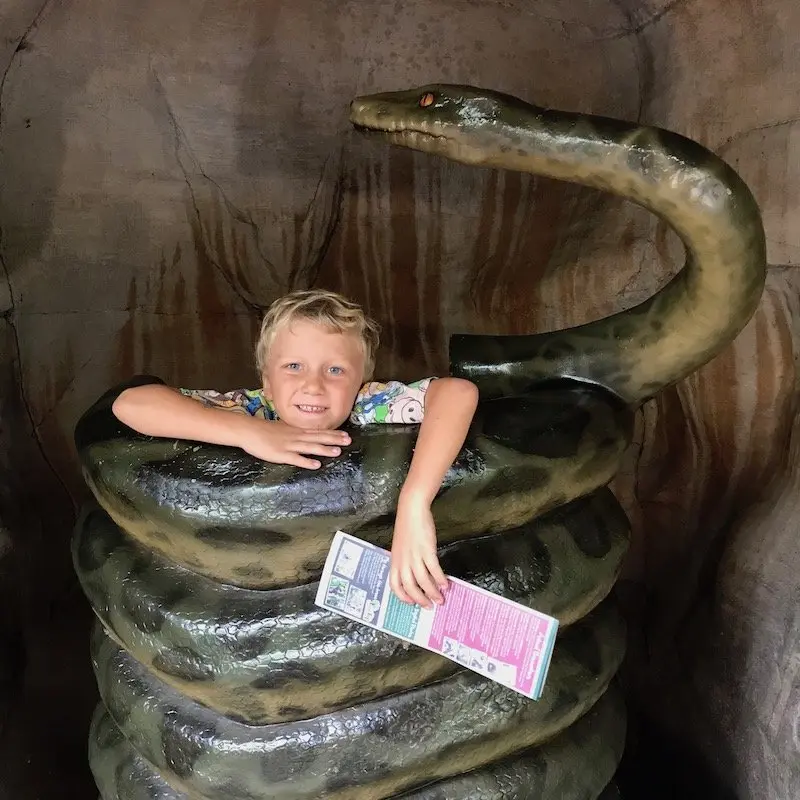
(433, 118)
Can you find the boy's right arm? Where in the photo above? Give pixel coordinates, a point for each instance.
(158, 410)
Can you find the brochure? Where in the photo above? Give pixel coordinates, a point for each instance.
(497, 638)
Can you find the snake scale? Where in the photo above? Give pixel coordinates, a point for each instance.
(219, 677)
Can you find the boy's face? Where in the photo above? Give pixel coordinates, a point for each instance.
(313, 374)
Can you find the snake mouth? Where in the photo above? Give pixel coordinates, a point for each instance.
(412, 138)
(400, 134)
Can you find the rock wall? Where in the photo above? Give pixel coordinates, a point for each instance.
(169, 168)
(719, 466)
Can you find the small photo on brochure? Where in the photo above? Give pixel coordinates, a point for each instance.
(371, 610)
(348, 559)
(449, 647)
(501, 671)
(478, 660)
(356, 598)
(336, 595)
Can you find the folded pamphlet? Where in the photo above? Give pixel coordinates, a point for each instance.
(497, 638)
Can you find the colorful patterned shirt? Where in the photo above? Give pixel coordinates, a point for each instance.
(392, 401)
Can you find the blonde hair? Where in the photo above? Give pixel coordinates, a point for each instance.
(326, 308)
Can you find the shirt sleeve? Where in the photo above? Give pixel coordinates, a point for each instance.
(390, 402)
(245, 401)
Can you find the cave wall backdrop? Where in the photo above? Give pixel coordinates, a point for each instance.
(168, 168)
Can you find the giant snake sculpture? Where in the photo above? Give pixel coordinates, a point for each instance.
(219, 677)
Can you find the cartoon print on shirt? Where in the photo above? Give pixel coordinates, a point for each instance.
(406, 409)
(377, 406)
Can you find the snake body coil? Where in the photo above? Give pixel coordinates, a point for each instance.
(219, 678)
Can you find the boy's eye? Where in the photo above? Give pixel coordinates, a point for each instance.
(336, 370)
(293, 365)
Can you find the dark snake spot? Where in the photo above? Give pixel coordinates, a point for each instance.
(608, 443)
(174, 594)
(94, 548)
(184, 663)
(181, 752)
(253, 717)
(551, 432)
(132, 511)
(205, 469)
(145, 614)
(264, 605)
(366, 695)
(224, 536)
(589, 531)
(293, 762)
(504, 564)
(118, 708)
(582, 646)
(291, 712)
(314, 567)
(353, 775)
(155, 535)
(247, 647)
(107, 734)
(563, 703)
(114, 494)
(277, 677)
(514, 480)
(140, 563)
(252, 571)
(535, 771)
(378, 523)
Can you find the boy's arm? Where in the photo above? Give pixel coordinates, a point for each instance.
(158, 410)
(415, 574)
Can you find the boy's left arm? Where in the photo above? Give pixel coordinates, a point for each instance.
(415, 575)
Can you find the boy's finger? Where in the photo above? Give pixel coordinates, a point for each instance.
(432, 563)
(397, 588)
(425, 582)
(311, 448)
(326, 437)
(296, 460)
(412, 590)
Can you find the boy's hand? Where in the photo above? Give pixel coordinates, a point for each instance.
(415, 575)
(280, 443)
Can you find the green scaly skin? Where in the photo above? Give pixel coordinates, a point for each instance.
(577, 763)
(638, 352)
(366, 752)
(264, 657)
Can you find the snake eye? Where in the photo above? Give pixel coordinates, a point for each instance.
(426, 100)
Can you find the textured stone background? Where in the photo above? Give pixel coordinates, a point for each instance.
(167, 169)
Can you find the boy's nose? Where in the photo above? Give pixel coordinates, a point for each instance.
(313, 384)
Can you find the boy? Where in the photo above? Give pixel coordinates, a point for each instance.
(315, 354)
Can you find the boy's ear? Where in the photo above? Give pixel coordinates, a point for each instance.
(265, 386)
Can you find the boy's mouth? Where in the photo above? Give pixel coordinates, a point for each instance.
(308, 409)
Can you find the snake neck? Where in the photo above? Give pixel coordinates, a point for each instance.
(639, 351)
